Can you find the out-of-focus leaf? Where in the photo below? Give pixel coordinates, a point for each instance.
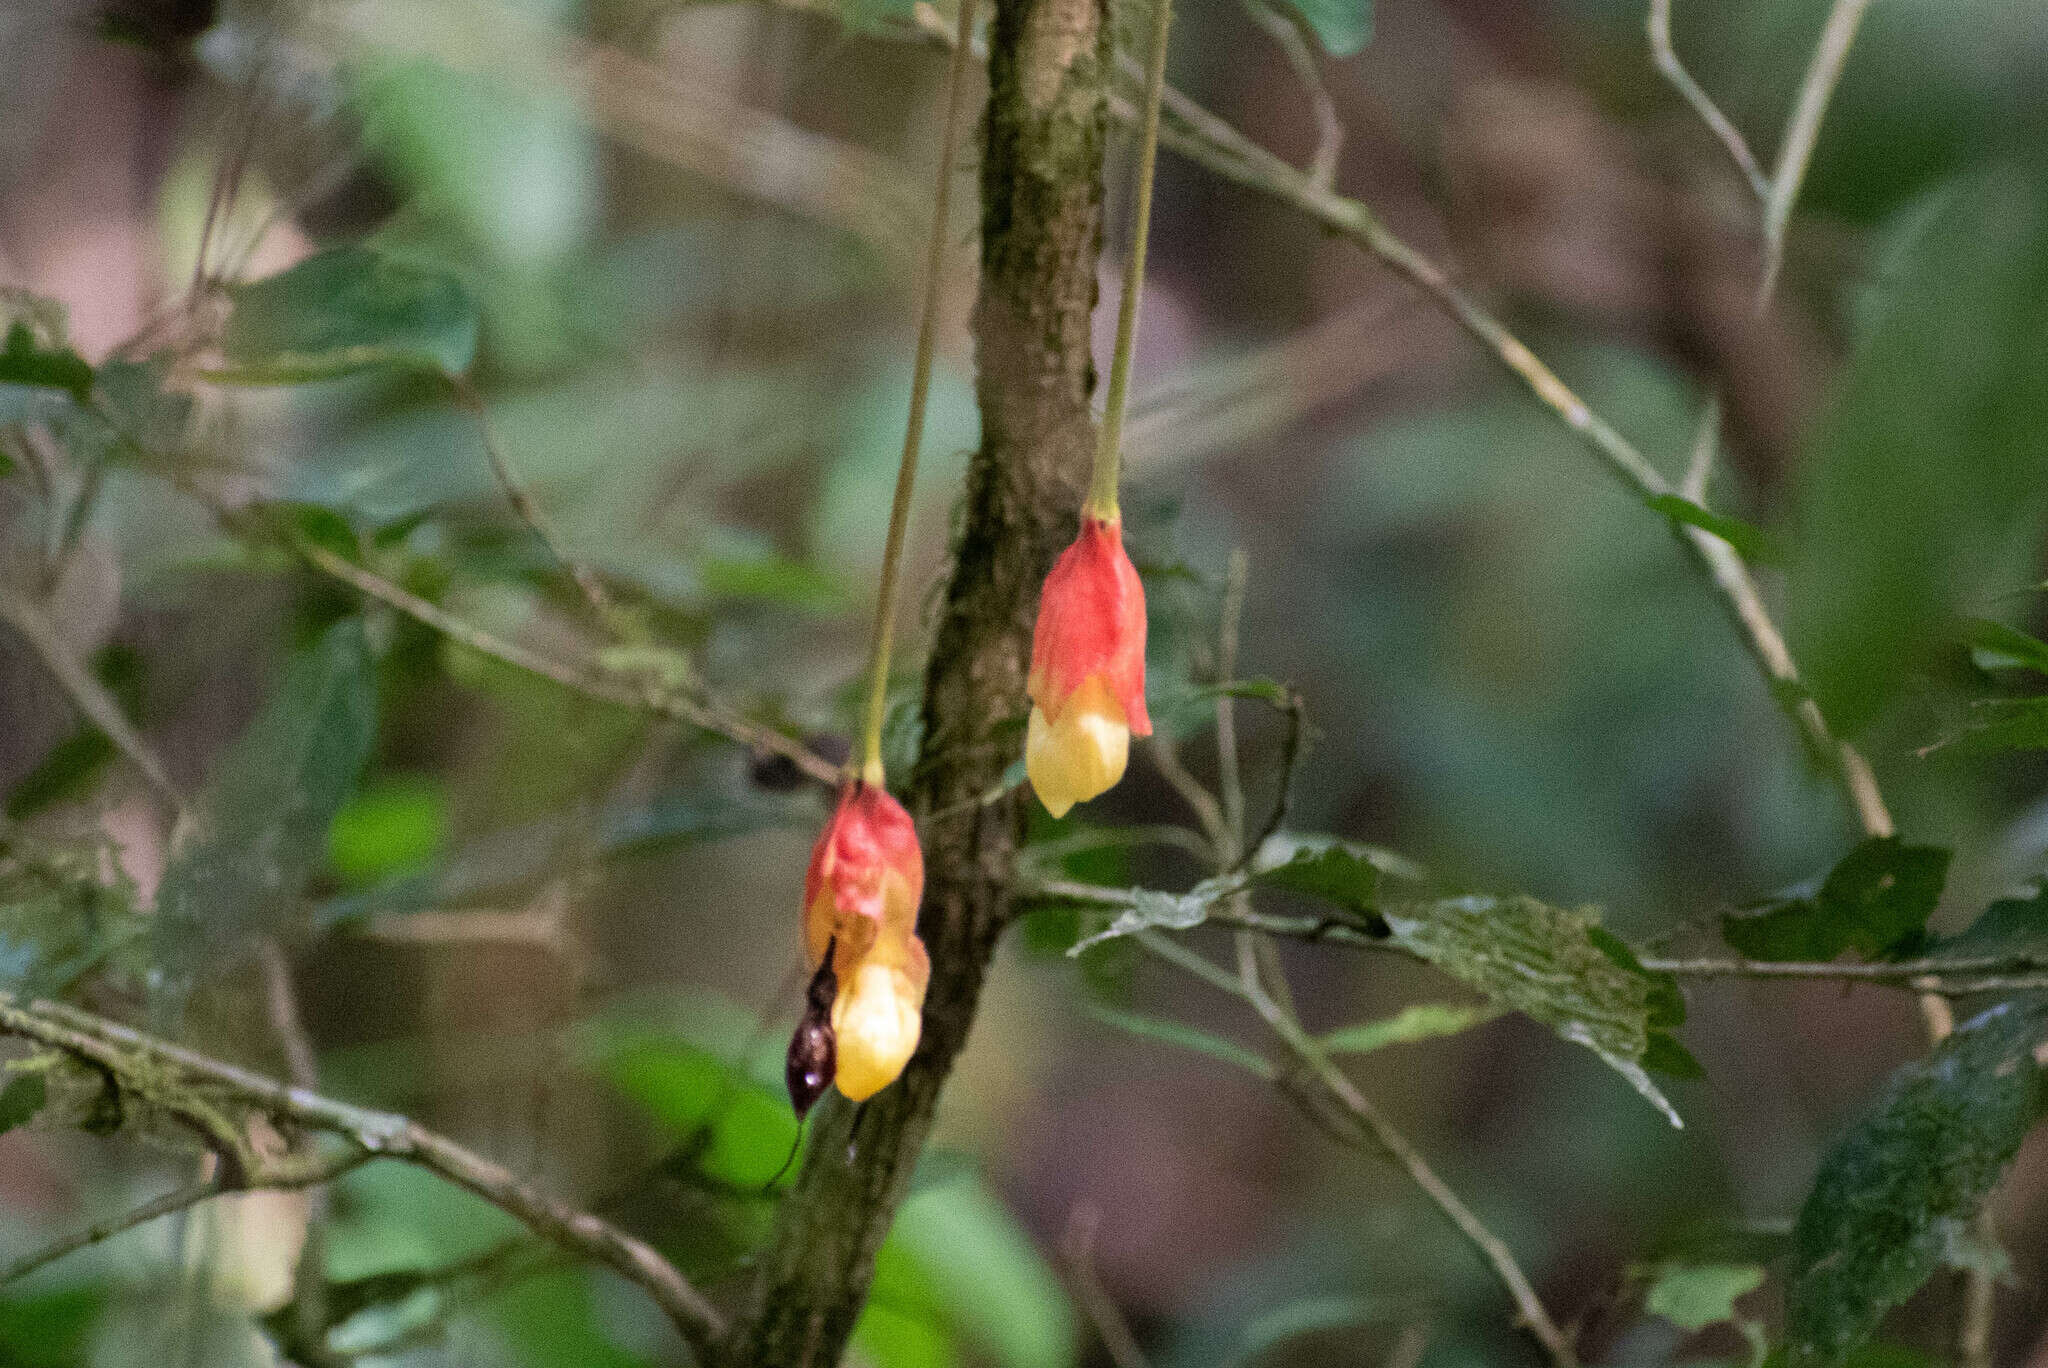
(261, 825)
(2010, 926)
(772, 579)
(1992, 725)
(738, 1131)
(1918, 1163)
(1995, 646)
(1925, 480)
(25, 361)
(1343, 27)
(1423, 1021)
(1695, 1296)
(1311, 1315)
(1151, 910)
(392, 827)
(1753, 544)
(1185, 1036)
(21, 1099)
(1544, 962)
(983, 1276)
(1875, 902)
(346, 310)
(49, 1330)
(74, 762)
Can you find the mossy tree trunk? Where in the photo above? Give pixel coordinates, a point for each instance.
(1041, 189)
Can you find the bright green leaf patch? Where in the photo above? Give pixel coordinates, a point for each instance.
(1875, 902)
(1995, 646)
(347, 310)
(1544, 962)
(1920, 1162)
(1695, 1296)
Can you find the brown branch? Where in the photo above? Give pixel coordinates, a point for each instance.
(179, 1079)
(1041, 234)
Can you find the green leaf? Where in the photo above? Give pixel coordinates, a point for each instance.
(1995, 646)
(1151, 910)
(347, 310)
(1311, 1315)
(983, 1276)
(21, 1099)
(393, 827)
(1922, 489)
(2010, 926)
(1875, 902)
(1343, 27)
(1331, 871)
(1544, 962)
(1919, 1162)
(1993, 725)
(25, 361)
(1184, 1036)
(241, 865)
(1423, 1021)
(1695, 1296)
(1753, 544)
(74, 762)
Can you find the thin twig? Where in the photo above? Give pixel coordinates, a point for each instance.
(44, 638)
(1229, 782)
(1077, 1251)
(1300, 50)
(1823, 73)
(177, 1199)
(530, 512)
(1200, 801)
(137, 1060)
(1666, 58)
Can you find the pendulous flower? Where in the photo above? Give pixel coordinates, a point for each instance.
(861, 896)
(1087, 679)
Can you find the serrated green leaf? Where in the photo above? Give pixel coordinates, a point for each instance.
(1923, 1158)
(1995, 646)
(346, 310)
(1541, 961)
(1343, 27)
(260, 828)
(1186, 1037)
(1423, 1021)
(1753, 544)
(1875, 902)
(1695, 1296)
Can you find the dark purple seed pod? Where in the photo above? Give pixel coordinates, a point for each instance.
(812, 1063)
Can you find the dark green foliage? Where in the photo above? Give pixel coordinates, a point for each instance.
(50, 1329)
(346, 310)
(2011, 926)
(21, 1099)
(1892, 1195)
(1875, 902)
(1926, 474)
(260, 828)
(24, 361)
(1334, 873)
(76, 761)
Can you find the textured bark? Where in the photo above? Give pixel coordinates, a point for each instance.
(1041, 234)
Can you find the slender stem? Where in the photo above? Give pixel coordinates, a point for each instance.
(1287, 33)
(1666, 58)
(177, 1199)
(920, 392)
(1102, 487)
(1830, 55)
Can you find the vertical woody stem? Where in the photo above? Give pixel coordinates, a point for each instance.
(1041, 186)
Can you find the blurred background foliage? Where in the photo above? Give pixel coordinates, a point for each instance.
(672, 247)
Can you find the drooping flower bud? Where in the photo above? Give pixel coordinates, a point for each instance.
(865, 879)
(1087, 680)
(860, 933)
(879, 1016)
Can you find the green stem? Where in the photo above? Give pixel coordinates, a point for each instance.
(1109, 450)
(913, 429)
